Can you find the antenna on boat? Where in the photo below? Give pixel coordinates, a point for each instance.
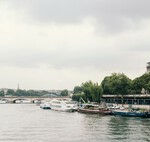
(81, 99)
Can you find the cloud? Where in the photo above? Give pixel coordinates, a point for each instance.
(72, 40)
(69, 46)
(114, 16)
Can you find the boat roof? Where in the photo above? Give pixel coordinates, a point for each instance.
(91, 104)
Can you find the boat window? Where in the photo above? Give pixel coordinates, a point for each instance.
(56, 102)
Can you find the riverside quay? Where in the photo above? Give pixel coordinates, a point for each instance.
(140, 99)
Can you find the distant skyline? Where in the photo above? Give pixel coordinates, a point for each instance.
(59, 44)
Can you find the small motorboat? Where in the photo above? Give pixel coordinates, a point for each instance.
(45, 105)
(3, 101)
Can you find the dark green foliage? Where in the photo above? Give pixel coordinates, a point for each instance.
(2, 93)
(10, 92)
(106, 83)
(141, 82)
(64, 92)
(92, 91)
(77, 89)
(20, 92)
(76, 97)
(118, 84)
(86, 87)
(96, 91)
(89, 91)
(35, 93)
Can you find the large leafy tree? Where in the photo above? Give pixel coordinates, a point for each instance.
(141, 82)
(77, 89)
(96, 92)
(106, 84)
(86, 87)
(80, 96)
(64, 92)
(89, 91)
(117, 83)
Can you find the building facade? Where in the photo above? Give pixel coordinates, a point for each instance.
(148, 67)
(140, 99)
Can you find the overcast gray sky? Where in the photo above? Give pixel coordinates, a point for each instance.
(58, 44)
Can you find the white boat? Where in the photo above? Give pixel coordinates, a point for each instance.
(45, 105)
(18, 102)
(63, 105)
(3, 101)
(26, 101)
(113, 106)
(37, 102)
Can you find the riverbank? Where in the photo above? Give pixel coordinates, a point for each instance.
(147, 107)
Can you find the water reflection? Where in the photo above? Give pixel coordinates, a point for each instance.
(29, 123)
(129, 129)
(118, 128)
(145, 130)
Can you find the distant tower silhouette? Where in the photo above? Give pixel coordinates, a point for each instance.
(18, 87)
(148, 67)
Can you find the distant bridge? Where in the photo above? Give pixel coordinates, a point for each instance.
(26, 99)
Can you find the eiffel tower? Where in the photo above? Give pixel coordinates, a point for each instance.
(18, 88)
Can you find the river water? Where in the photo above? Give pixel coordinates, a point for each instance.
(30, 123)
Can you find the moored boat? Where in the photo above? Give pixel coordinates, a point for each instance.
(45, 105)
(93, 109)
(63, 105)
(3, 101)
(131, 113)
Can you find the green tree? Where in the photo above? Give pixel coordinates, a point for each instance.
(34, 93)
(96, 92)
(78, 96)
(2, 93)
(141, 82)
(77, 89)
(64, 92)
(10, 92)
(20, 92)
(86, 87)
(92, 91)
(106, 83)
(118, 84)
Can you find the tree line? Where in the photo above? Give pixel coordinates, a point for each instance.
(20, 92)
(115, 84)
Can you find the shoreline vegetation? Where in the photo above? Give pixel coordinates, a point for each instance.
(115, 84)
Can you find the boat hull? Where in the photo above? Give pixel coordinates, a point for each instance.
(132, 114)
(61, 109)
(96, 111)
(63, 105)
(45, 106)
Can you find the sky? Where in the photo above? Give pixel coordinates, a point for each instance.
(59, 44)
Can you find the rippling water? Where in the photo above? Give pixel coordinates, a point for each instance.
(29, 123)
